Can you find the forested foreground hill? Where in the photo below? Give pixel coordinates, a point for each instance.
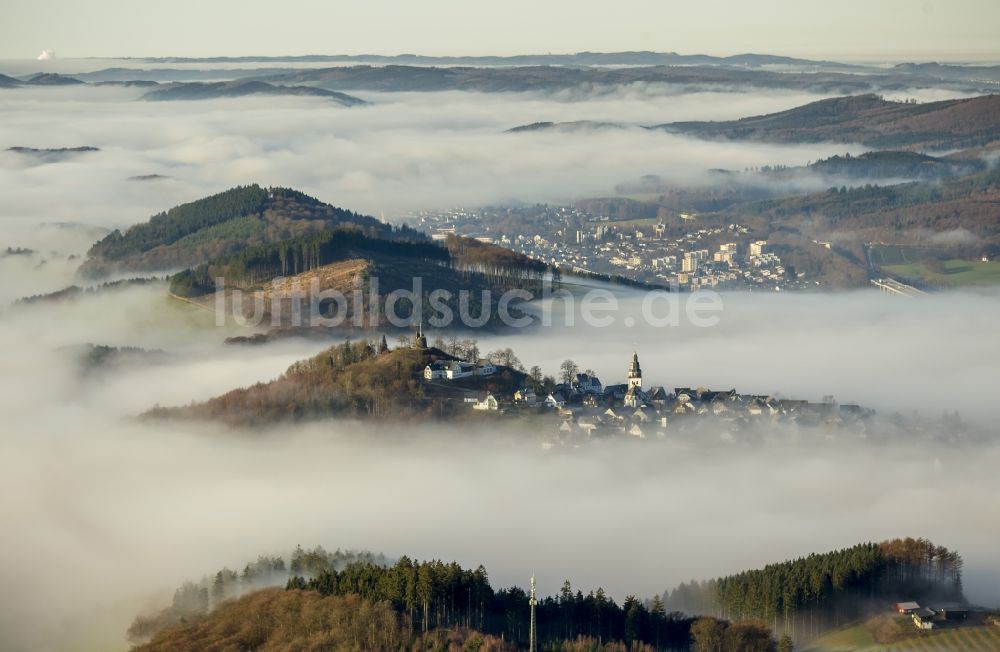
(360, 601)
(276, 620)
(371, 604)
(246, 216)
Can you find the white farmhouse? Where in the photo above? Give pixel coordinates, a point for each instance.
(488, 403)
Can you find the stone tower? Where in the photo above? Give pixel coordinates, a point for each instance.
(420, 341)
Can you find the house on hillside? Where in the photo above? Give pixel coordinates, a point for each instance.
(615, 392)
(488, 403)
(587, 384)
(588, 424)
(485, 368)
(754, 407)
(657, 396)
(906, 607)
(525, 396)
(555, 400)
(435, 370)
(923, 618)
(951, 612)
(459, 369)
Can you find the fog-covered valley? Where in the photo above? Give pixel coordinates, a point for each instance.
(104, 514)
(112, 513)
(404, 152)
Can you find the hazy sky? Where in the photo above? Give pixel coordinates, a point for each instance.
(890, 29)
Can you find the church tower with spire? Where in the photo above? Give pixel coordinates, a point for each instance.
(634, 373)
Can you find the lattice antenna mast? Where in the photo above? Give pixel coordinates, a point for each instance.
(533, 632)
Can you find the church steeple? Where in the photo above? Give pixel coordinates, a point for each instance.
(635, 372)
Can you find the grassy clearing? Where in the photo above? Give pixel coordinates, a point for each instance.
(951, 273)
(984, 638)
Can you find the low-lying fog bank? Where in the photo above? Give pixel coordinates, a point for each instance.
(405, 152)
(105, 515)
(111, 517)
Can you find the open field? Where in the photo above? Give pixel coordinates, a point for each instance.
(883, 255)
(984, 638)
(950, 273)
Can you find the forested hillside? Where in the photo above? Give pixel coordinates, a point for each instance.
(809, 595)
(903, 213)
(370, 604)
(358, 600)
(273, 620)
(894, 165)
(243, 217)
(869, 120)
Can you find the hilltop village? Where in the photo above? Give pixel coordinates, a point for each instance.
(453, 381)
(587, 408)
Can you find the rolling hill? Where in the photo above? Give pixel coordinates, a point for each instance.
(393, 77)
(52, 154)
(194, 233)
(243, 88)
(895, 213)
(894, 165)
(250, 237)
(350, 380)
(865, 119)
(577, 125)
(52, 79)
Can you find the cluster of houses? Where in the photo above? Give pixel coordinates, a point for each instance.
(455, 369)
(927, 618)
(588, 408)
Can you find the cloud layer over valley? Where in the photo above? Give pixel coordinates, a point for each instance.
(406, 152)
(112, 513)
(105, 514)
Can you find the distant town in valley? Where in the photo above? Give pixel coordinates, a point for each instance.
(690, 257)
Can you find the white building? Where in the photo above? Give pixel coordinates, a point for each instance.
(459, 369)
(488, 403)
(435, 370)
(526, 396)
(555, 400)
